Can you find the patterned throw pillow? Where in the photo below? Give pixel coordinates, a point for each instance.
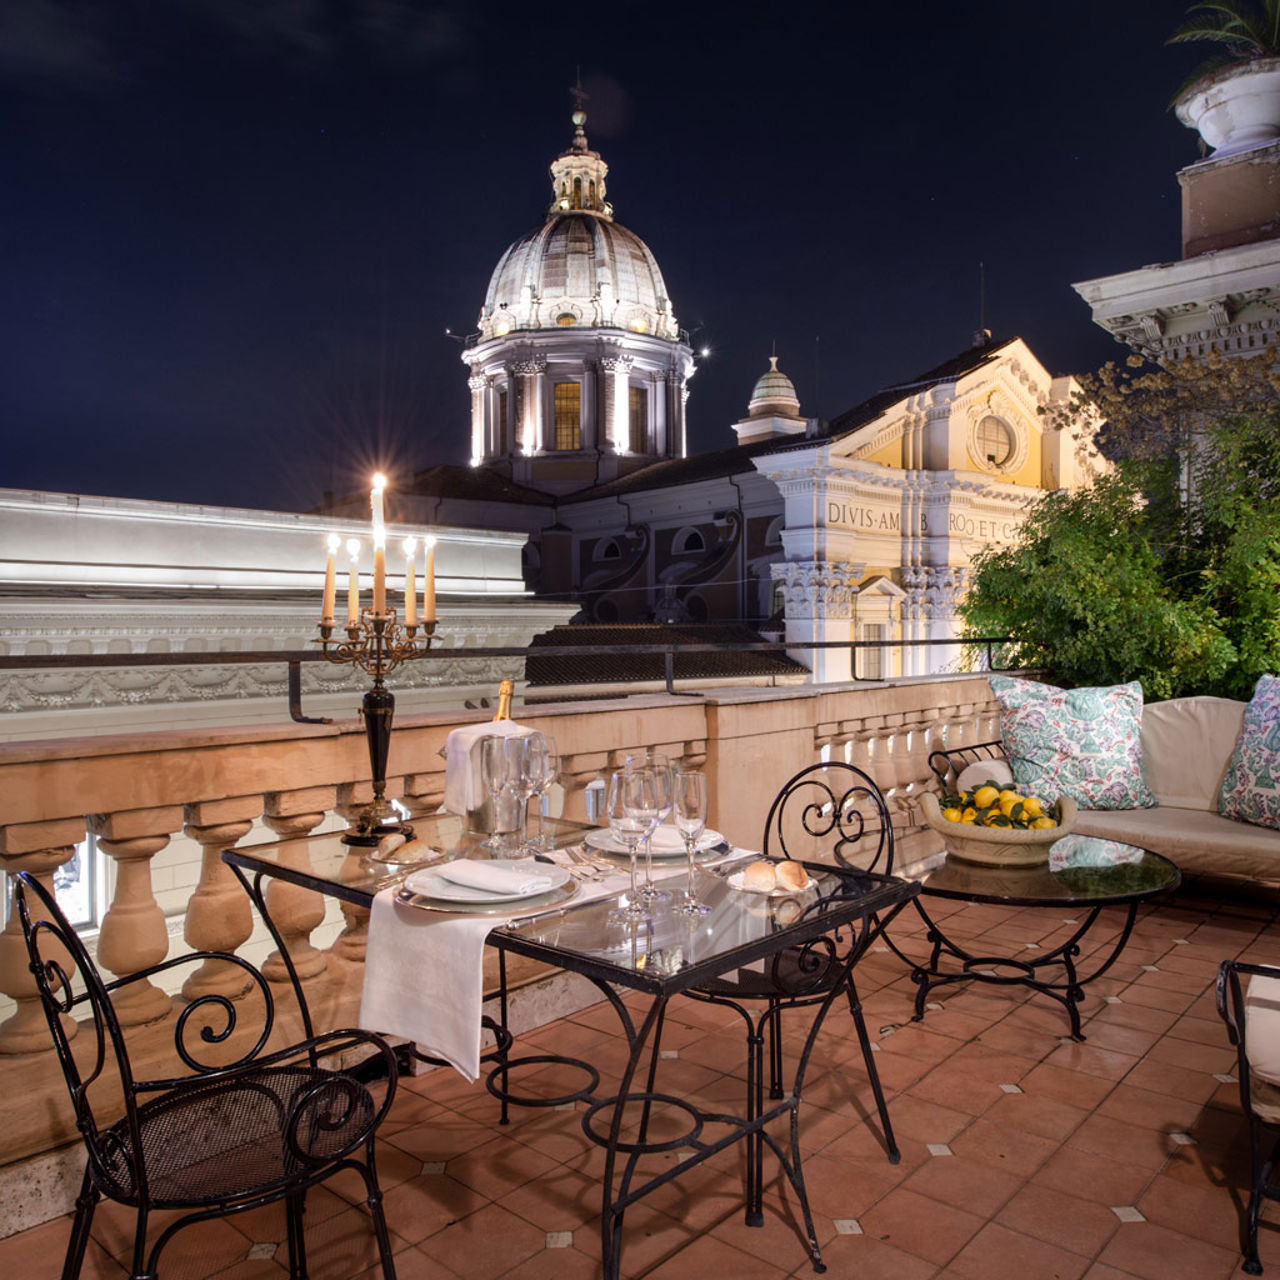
(1251, 785)
(1082, 743)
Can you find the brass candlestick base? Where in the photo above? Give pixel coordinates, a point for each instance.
(377, 645)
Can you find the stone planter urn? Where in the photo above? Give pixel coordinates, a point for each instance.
(1235, 108)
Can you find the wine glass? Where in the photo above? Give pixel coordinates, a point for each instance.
(525, 757)
(629, 815)
(547, 771)
(689, 803)
(495, 773)
(657, 764)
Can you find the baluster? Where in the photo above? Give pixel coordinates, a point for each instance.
(219, 915)
(295, 911)
(25, 1030)
(577, 773)
(134, 934)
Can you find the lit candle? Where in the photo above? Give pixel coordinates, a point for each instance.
(380, 575)
(353, 584)
(429, 581)
(330, 581)
(375, 503)
(410, 584)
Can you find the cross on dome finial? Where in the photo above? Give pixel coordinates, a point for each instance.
(578, 174)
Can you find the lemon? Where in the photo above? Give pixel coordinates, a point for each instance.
(952, 815)
(985, 797)
(969, 815)
(1041, 824)
(1007, 800)
(1032, 807)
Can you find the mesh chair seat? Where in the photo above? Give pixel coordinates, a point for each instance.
(227, 1139)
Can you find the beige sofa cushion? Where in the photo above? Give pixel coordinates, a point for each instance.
(1262, 1027)
(1186, 743)
(1194, 839)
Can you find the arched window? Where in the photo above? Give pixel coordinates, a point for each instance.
(688, 541)
(607, 549)
(773, 535)
(577, 193)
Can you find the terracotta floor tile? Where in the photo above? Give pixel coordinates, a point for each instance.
(966, 1184)
(1014, 1150)
(1093, 1177)
(1070, 1222)
(910, 1221)
(1033, 1114)
(997, 1253)
(1123, 1142)
(1155, 1253)
(1205, 1213)
(1090, 1059)
(485, 1243)
(1075, 1088)
(1146, 1107)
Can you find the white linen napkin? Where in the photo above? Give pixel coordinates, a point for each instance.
(424, 979)
(495, 877)
(463, 787)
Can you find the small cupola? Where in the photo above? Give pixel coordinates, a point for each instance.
(773, 410)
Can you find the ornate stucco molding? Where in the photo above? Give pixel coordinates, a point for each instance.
(818, 588)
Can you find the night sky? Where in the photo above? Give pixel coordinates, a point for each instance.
(236, 231)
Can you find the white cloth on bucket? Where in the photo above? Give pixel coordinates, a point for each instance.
(424, 979)
(463, 786)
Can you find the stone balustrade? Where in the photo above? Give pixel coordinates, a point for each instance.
(137, 793)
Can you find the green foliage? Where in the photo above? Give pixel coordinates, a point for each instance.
(1167, 571)
(1249, 30)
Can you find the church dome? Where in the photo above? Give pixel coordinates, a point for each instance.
(580, 267)
(774, 395)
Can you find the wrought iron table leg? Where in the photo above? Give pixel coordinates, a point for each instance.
(1068, 992)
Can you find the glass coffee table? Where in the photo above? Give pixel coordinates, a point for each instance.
(1085, 889)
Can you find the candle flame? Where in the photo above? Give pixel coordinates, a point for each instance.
(353, 548)
(334, 542)
(410, 546)
(379, 482)
(429, 541)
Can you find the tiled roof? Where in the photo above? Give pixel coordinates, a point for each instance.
(948, 371)
(481, 484)
(596, 667)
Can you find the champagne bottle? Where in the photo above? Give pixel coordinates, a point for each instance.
(505, 691)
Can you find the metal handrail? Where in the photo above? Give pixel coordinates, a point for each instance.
(294, 658)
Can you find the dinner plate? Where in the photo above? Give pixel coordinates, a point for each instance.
(736, 882)
(431, 883)
(667, 842)
(516, 906)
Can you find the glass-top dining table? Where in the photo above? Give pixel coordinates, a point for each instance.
(787, 948)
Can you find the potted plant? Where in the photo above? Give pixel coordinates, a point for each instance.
(1234, 101)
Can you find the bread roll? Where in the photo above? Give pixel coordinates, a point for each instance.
(759, 876)
(791, 875)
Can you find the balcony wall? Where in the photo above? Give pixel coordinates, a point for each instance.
(163, 806)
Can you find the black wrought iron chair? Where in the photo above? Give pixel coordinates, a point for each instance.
(828, 812)
(240, 1128)
(1259, 1098)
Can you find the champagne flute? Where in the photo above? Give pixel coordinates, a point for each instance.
(628, 819)
(690, 806)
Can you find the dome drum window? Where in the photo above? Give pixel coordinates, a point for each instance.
(688, 541)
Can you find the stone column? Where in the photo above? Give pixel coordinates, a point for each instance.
(661, 436)
(295, 911)
(476, 384)
(134, 934)
(25, 1030)
(219, 914)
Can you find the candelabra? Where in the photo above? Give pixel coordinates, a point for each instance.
(377, 644)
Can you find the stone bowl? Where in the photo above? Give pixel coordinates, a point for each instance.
(998, 846)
